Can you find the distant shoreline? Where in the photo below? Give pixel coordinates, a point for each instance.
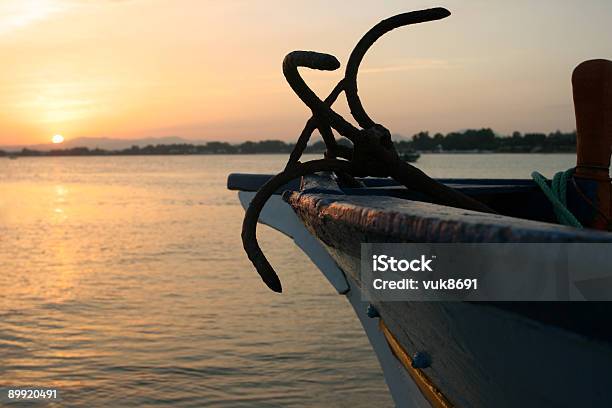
(474, 141)
(18, 155)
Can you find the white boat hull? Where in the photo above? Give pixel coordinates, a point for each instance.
(483, 356)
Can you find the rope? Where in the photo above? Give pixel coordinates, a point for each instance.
(557, 195)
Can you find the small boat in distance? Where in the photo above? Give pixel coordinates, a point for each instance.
(409, 156)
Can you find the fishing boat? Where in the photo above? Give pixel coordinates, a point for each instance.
(455, 353)
(410, 156)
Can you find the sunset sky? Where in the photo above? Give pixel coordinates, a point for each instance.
(212, 69)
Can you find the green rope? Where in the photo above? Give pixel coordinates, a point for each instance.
(557, 195)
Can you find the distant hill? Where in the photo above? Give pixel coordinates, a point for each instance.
(105, 143)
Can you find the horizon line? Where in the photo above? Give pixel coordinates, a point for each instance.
(199, 141)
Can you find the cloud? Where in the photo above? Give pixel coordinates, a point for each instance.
(16, 14)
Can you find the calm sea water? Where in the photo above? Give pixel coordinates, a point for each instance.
(124, 284)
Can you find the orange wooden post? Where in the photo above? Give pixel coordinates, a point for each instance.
(592, 86)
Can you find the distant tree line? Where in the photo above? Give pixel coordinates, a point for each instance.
(483, 140)
(487, 140)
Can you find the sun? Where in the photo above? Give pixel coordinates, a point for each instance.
(57, 139)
